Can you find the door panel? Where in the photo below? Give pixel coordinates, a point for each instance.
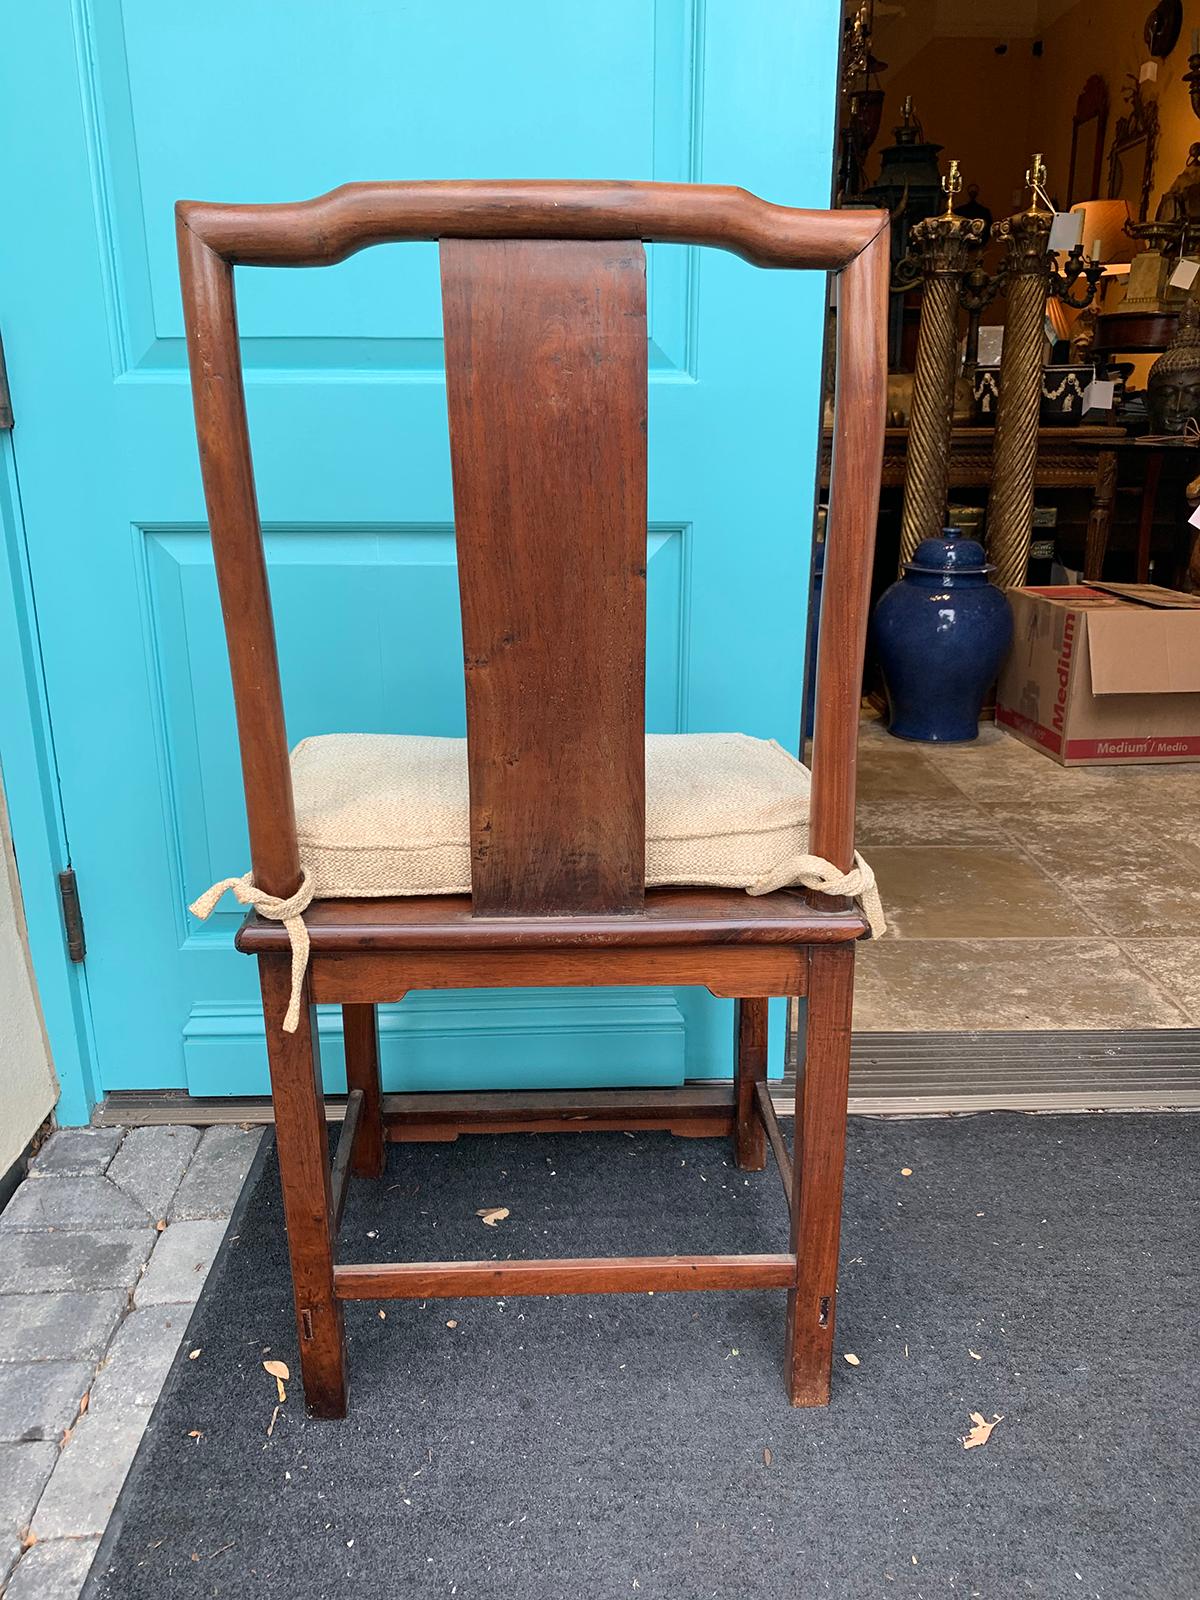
(131, 106)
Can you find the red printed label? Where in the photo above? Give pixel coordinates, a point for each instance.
(1063, 672)
(1180, 746)
(1031, 729)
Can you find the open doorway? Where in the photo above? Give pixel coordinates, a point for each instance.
(1042, 879)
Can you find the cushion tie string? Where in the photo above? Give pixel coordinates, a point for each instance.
(814, 872)
(290, 912)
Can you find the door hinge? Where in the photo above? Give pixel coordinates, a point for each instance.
(68, 893)
(6, 416)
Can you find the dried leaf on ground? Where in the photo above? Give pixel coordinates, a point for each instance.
(851, 1358)
(767, 1457)
(279, 1371)
(452, 1323)
(274, 1419)
(982, 1430)
(491, 1215)
(192, 1354)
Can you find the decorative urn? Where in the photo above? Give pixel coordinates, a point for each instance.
(941, 634)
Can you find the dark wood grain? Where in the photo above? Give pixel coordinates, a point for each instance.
(360, 1034)
(730, 971)
(774, 1133)
(327, 229)
(693, 1111)
(340, 1178)
(749, 1070)
(849, 547)
(818, 1165)
(718, 917)
(219, 400)
(306, 1181)
(546, 371)
(440, 1280)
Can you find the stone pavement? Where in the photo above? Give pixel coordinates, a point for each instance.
(103, 1251)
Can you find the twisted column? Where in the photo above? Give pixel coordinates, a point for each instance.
(1014, 458)
(944, 247)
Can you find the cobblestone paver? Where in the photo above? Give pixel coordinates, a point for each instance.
(215, 1176)
(151, 1163)
(24, 1469)
(43, 1260)
(96, 1289)
(52, 1571)
(180, 1263)
(72, 1325)
(74, 1152)
(40, 1399)
(80, 1205)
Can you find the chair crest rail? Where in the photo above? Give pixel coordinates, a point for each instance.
(328, 228)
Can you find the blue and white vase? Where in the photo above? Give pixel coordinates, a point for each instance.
(941, 634)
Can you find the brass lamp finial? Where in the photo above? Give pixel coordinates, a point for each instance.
(951, 184)
(1035, 179)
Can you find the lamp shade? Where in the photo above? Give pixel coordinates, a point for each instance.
(1104, 223)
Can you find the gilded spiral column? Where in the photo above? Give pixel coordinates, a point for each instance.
(945, 246)
(1014, 457)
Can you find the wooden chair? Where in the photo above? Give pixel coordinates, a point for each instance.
(545, 331)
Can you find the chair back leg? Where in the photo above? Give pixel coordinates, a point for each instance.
(360, 1031)
(750, 1069)
(304, 1170)
(819, 1161)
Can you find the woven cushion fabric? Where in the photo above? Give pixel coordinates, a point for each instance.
(389, 814)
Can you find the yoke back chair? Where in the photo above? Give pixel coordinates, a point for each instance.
(544, 305)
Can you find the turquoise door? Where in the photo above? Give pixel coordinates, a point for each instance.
(111, 111)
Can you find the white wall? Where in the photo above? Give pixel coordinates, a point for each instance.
(27, 1084)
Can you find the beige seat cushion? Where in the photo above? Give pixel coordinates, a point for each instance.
(388, 814)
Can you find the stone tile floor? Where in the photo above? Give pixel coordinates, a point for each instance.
(103, 1251)
(1025, 895)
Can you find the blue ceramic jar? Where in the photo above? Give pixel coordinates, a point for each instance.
(941, 634)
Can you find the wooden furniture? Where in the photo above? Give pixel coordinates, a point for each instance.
(1149, 457)
(1068, 458)
(1134, 332)
(545, 326)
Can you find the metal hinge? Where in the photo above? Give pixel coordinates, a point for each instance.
(6, 416)
(68, 893)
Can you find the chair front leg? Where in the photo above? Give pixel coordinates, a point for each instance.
(360, 1030)
(819, 1164)
(304, 1170)
(750, 1069)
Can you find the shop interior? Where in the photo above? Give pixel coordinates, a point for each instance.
(1028, 792)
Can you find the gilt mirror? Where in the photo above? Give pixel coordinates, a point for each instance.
(1131, 159)
(1088, 127)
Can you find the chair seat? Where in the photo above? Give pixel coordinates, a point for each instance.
(388, 815)
(672, 917)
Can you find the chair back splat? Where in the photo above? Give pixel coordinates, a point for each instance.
(546, 371)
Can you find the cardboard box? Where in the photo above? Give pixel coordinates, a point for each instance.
(1104, 675)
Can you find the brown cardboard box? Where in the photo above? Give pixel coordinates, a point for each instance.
(1096, 677)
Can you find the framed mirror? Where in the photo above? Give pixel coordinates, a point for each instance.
(1131, 159)
(1088, 127)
